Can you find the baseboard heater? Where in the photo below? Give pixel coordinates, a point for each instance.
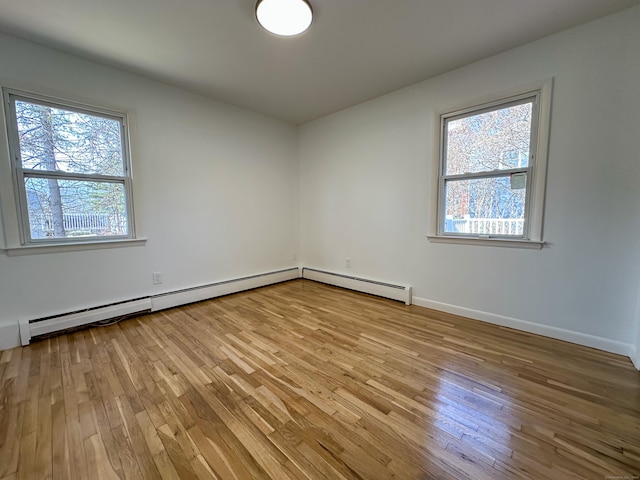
(204, 292)
(401, 293)
(34, 328)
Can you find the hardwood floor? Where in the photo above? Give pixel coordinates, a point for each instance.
(305, 381)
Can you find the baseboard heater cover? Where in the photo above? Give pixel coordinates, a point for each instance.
(33, 328)
(205, 292)
(401, 293)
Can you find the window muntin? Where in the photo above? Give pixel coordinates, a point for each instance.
(486, 166)
(71, 168)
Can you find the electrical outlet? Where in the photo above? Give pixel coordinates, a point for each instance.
(294, 256)
(347, 263)
(157, 278)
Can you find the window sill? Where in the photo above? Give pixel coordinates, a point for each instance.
(72, 246)
(487, 242)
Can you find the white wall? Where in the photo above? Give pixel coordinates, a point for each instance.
(635, 350)
(215, 190)
(365, 181)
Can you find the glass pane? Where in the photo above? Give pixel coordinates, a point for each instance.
(75, 209)
(57, 139)
(494, 140)
(486, 206)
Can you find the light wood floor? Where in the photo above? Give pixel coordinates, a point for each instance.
(304, 381)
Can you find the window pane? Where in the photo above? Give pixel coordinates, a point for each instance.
(67, 141)
(75, 209)
(485, 206)
(488, 141)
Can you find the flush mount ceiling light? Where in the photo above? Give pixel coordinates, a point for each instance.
(284, 17)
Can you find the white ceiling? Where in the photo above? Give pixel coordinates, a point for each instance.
(355, 49)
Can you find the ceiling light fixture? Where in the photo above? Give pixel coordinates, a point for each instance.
(284, 17)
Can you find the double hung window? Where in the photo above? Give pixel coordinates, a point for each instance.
(491, 178)
(71, 170)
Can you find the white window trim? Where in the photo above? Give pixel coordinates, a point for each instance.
(12, 217)
(73, 246)
(538, 180)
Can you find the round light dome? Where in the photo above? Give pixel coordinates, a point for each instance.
(284, 17)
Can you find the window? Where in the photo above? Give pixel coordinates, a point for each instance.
(491, 172)
(71, 170)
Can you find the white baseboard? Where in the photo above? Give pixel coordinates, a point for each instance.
(401, 293)
(9, 336)
(635, 356)
(205, 292)
(571, 336)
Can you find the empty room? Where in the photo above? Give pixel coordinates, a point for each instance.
(320, 239)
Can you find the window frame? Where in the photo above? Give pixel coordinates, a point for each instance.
(19, 173)
(532, 236)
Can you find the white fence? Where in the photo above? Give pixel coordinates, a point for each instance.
(78, 225)
(485, 226)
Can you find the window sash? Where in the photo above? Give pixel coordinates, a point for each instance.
(21, 174)
(525, 227)
(487, 174)
(500, 104)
